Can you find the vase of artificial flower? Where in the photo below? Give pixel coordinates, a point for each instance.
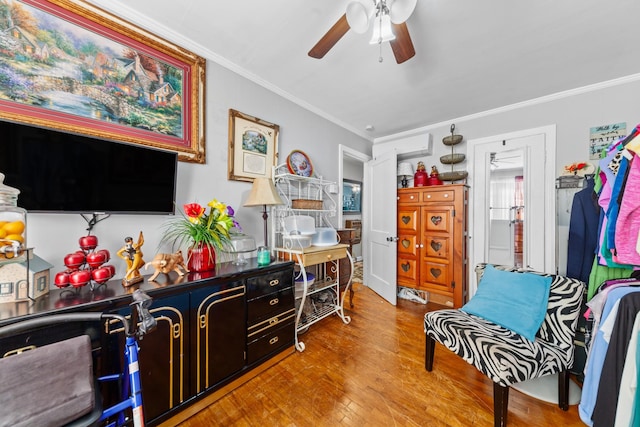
(203, 232)
(201, 258)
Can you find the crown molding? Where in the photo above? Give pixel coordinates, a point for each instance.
(536, 101)
(136, 18)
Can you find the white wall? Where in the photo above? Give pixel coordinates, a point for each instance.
(55, 235)
(573, 114)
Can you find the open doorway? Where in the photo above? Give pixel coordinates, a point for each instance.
(351, 180)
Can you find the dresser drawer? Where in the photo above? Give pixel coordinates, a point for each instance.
(263, 327)
(262, 285)
(324, 256)
(439, 196)
(276, 338)
(269, 305)
(409, 197)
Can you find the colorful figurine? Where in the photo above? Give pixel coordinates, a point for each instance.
(132, 254)
(434, 177)
(420, 177)
(165, 263)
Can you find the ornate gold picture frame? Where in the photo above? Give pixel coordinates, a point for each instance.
(71, 66)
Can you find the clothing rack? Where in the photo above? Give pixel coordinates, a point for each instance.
(613, 295)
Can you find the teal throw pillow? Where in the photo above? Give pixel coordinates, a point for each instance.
(516, 301)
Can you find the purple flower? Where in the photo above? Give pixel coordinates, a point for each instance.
(230, 211)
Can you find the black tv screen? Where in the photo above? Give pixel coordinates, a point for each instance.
(69, 173)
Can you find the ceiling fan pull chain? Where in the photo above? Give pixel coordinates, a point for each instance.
(380, 59)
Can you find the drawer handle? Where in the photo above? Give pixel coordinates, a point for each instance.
(446, 195)
(428, 196)
(273, 321)
(177, 330)
(274, 282)
(274, 301)
(20, 350)
(203, 321)
(411, 197)
(273, 340)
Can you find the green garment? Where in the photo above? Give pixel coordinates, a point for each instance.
(601, 273)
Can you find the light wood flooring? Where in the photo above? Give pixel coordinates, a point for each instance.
(371, 373)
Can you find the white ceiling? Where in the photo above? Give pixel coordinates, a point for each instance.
(471, 55)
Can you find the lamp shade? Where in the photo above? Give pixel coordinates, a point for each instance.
(405, 169)
(263, 192)
(382, 31)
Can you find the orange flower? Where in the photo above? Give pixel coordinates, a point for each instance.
(193, 210)
(575, 167)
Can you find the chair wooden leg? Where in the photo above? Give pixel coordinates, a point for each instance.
(563, 390)
(430, 345)
(500, 404)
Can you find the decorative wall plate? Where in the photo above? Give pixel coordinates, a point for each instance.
(298, 163)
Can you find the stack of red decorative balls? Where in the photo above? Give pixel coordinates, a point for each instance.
(85, 265)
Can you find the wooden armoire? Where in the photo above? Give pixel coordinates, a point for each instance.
(432, 245)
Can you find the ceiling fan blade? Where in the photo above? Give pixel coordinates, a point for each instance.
(332, 36)
(402, 45)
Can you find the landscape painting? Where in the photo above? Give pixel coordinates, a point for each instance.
(70, 66)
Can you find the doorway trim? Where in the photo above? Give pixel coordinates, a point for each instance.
(547, 177)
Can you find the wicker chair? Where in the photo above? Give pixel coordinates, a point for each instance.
(505, 356)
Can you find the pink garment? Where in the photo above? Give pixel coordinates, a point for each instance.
(628, 222)
(603, 200)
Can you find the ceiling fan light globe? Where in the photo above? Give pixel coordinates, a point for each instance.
(401, 10)
(357, 17)
(382, 31)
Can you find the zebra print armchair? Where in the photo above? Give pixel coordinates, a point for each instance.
(505, 356)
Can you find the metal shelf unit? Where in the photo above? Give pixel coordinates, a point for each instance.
(323, 259)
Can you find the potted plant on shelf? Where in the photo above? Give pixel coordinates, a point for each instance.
(204, 231)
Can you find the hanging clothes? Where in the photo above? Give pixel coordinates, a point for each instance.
(610, 396)
(628, 223)
(598, 352)
(601, 273)
(604, 411)
(613, 209)
(583, 232)
(629, 380)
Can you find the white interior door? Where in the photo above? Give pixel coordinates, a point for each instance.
(380, 236)
(538, 148)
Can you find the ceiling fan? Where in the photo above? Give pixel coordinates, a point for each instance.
(388, 19)
(506, 160)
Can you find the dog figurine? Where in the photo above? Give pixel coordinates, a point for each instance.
(165, 263)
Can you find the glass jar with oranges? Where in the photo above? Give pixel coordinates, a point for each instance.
(13, 224)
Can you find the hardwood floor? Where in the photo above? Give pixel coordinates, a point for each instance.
(371, 373)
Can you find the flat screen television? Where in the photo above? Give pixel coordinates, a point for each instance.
(59, 172)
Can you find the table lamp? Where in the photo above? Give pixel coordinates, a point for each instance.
(405, 170)
(263, 193)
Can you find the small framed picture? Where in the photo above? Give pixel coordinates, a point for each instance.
(351, 196)
(253, 147)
